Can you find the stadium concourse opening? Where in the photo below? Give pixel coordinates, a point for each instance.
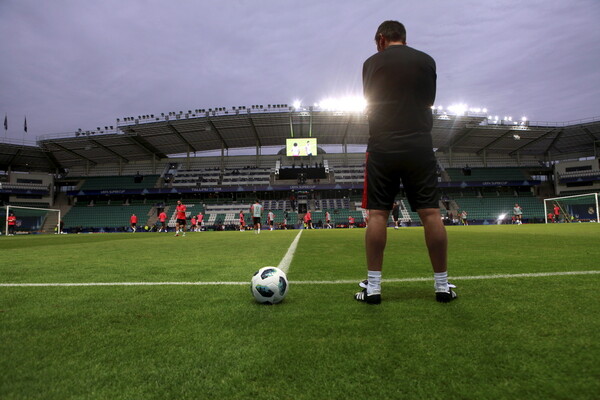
(219, 161)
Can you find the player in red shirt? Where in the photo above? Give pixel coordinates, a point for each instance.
(351, 222)
(133, 221)
(181, 217)
(12, 222)
(193, 223)
(242, 222)
(200, 221)
(162, 217)
(308, 220)
(556, 213)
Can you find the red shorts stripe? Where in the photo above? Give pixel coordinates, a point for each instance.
(365, 193)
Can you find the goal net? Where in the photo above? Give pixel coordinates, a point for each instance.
(29, 220)
(578, 208)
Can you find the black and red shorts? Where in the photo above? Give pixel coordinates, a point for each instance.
(181, 221)
(415, 168)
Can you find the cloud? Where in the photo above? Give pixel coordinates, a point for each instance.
(73, 64)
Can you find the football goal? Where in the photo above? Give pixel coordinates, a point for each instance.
(24, 220)
(578, 208)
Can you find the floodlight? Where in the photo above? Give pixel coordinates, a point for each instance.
(523, 119)
(296, 104)
(458, 109)
(348, 103)
(484, 110)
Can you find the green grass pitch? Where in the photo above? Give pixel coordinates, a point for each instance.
(504, 338)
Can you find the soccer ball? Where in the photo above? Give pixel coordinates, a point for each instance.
(269, 285)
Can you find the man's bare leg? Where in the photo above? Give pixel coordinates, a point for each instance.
(437, 245)
(375, 238)
(435, 238)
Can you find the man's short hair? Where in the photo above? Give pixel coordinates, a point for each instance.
(393, 31)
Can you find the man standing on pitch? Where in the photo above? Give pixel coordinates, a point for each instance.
(162, 217)
(399, 85)
(133, 221)
(180, 218)
(256, 210)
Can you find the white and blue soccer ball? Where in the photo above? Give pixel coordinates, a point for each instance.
(269, 285)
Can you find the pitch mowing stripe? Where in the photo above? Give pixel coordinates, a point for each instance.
(455, 278)
(284, 265)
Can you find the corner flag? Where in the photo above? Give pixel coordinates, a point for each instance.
(5, 122)
(25, 126)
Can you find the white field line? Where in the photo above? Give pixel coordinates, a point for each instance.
(455, 278)
(284, 265)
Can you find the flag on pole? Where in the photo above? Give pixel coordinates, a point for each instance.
(5, 122)
(25, 126)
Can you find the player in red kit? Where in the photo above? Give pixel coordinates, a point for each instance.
(12, 222)
(556, 213)
(181, 217)
(350, 222)
(193, 223)
(133, 221)
(242, 222)
(200, 221)
(308, 220)
(162, 217)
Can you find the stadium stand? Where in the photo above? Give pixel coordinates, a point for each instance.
(119, 182)
(486, 174)
(109, 217)
(94, 182)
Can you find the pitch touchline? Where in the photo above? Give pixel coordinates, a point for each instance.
(454, 278)
(284, 265)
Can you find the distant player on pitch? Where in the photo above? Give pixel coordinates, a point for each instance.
(271, 219)
(518, 213)
(181, 218)
(396, 215)
(242, 222)
(256, 210)
(162, 217)
(133, 222)
(200, 221)
(12, 223)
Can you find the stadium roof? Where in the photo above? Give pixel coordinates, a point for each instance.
(179, 134)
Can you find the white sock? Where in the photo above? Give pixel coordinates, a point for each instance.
(374, 278)
(441, 281)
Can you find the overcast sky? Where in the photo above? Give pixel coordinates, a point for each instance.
(69, 64)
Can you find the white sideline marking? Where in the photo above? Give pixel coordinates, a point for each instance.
(284, 265)
(452, 278)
